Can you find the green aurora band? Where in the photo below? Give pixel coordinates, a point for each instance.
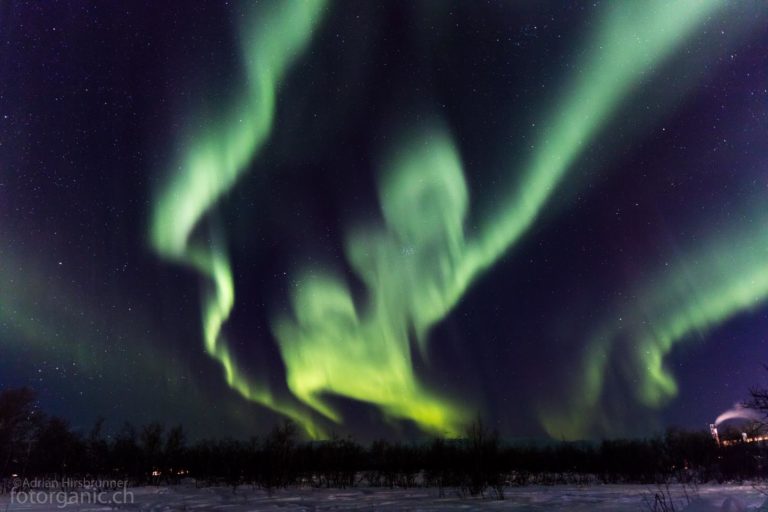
(419, 262)
(418, 266)
(272, 36)
(709, 284)
(631, 41)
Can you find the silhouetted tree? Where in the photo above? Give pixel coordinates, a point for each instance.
(279, 451)
(126, 454)
(98, 450)
(173, 454)
(151, 447)
(18, 418)
(57, 450)
(441, 465)
(758, 401)
(484, 465)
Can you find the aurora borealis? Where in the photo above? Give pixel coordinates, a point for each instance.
(386, 219)
(216, 159)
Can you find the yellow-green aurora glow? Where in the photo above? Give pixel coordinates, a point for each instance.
(419, 261)
(272, 37)
(331, 345)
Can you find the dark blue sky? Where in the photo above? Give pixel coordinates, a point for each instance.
(643, 265)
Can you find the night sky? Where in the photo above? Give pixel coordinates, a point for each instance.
(385, 219)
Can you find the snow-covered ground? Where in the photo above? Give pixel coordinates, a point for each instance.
(613, 498)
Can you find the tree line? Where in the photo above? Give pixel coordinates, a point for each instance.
(35, 445)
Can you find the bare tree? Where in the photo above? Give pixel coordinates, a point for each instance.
(18, 417)
(758, 401)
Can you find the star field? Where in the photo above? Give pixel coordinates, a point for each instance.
(384, 219)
